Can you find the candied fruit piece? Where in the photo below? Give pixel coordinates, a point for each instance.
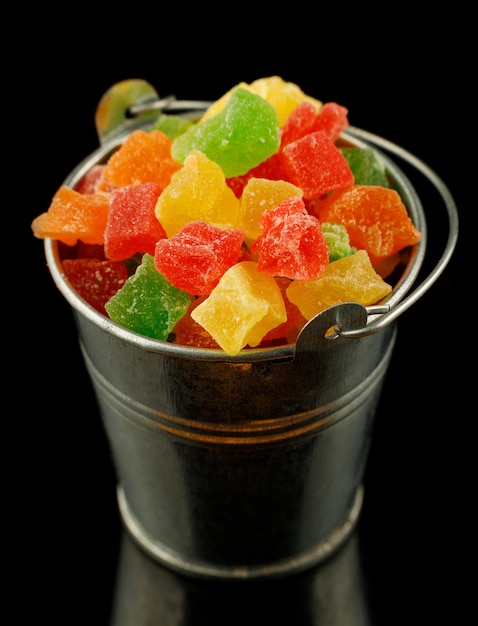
(338, 240)
(238, 138)
(188, 332)
(73, 216)
(292, 243)
(197, 193)
(244, 306)
(260, 195)
(332, 119)
(284, 96)
(132, 225)
(367, 167)
(197, 256)
(95, 280)
(350, 279)
(376, 220)
(316, 165)
(288, 330)
(147, 303)
(144, 157)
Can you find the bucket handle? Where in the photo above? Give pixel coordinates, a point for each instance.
(386, 312)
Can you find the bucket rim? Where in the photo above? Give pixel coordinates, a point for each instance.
(353, 136)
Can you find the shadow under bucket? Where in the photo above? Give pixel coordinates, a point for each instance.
(246, 466)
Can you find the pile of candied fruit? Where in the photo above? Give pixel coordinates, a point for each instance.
(232, 230)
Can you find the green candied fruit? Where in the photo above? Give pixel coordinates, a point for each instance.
(242, 135)
(147, 303)
(338, 241)
(172, 125)
(366, 166)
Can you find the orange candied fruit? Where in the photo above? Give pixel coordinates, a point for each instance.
(73, 216)
(145, 157)
(376, 220)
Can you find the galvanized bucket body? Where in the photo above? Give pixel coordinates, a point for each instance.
(239, 469)
(245, 466)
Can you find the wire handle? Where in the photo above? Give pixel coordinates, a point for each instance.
(387, 313)
(131, 110)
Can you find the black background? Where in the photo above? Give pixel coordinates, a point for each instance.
(402, 78)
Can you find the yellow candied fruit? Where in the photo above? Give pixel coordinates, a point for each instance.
(242, 309)
(197, 192)
(260, 195)
(349, 279)
(282, 95)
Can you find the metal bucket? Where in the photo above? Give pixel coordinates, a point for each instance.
(247, 466)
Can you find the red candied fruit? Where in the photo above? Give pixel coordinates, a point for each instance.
(287, 331)
(316, 165)
(95, 280)
(332, 119)
(188, 332)
(132, 225)
(292, 243)
(87, 184)
(271, 168)
(196, 257)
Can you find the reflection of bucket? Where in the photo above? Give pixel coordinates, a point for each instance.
(333, 594)
(243, 466)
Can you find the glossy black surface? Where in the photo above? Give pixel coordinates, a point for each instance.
(404, 564)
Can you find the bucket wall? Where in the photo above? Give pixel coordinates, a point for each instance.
(239, 469)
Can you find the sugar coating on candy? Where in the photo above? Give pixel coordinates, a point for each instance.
(147, 303)
(234, 241)
(270, 169)
(172, 125)
(244, 306)
(87, 184)
(73, 216)
(350, 279)
(292, 243)
(366, 166)
(338, 240)
(197, 192)
(95, 280)
(238, 138)
(287, 331)
(132, 225)
(299, 123)
(144, 157)
(283, 95)
(332, 119)
(260, 195)
(316, 165)
(197, 256)
(376, 220)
